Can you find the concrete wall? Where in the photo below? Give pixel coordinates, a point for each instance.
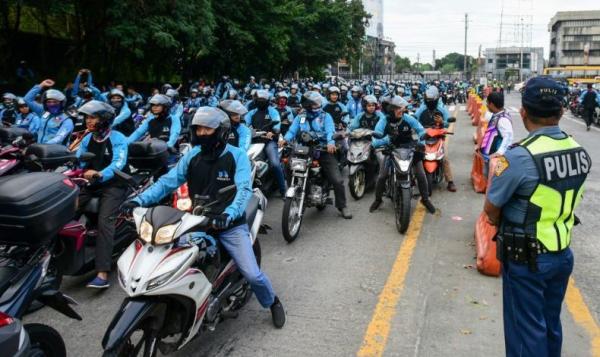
(569, 33)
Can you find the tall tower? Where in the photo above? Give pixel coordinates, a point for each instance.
(375, 8)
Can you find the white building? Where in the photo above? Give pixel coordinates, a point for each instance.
(375, 8)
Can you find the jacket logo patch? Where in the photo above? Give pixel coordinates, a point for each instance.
(501, 165)
(223, 176)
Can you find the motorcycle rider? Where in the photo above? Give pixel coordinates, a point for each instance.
(212, 164)
(295, 98)
(159, 123)
(344, 94)
(320, 122)
(354, 102)
(8, 114)
(398, 127)
(176, 108)
(123, 121)
(589, 99)
(193, 101)
(415, 99)
(110, 148)
(337, 110)
(242, 135)
(25, 118)
(286, 115)
(208, 99)
(369, 117)
(433, 113)
(133, 98)
(55, 125)
(259, 119)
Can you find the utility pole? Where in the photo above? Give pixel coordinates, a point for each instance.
(465, 57)
(434, 60)
(418, 59)
(521, 52)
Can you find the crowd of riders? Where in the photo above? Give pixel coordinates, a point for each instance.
(217, 120)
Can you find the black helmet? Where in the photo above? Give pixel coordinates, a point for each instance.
(103, 111)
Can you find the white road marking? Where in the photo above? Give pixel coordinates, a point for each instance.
(513, 109)
(451, 108)
(462, 107)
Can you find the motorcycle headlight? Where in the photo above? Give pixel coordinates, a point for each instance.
(165, 234)
(161, 279)
(404, 165)
(298, 165)
(184, 204)
(430, 156)
(146, 231)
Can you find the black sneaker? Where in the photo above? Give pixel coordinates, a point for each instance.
(430, 207)
(375, 205)
(278, 313)
(344, 213)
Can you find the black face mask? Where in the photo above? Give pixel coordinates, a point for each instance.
(261, 104)
(431, 104)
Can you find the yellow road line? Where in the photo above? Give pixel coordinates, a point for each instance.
(582, 316)
(379, 329)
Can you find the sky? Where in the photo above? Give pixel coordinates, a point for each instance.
(425, 25)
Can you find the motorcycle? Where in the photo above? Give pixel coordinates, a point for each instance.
(400, 182)
(363, 167)
(308, 186)
(178, 279)
(450, 98)
(460, 96)
(33, 206)
(12, 144)
(435, 152)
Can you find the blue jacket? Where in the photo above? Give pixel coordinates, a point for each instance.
(211, 101)
(132, 99)
(123, 115)
(119, 153)
(31, 122)
(273, 113)
(54, 128)
(440, 106)
(193, 103)
(177, 176)
(382, 123)
(244, 136)
(354, 107)
(322, 125)
(143, 129)
(355, 123)
(90, 83)
(585, 92)
(176, 112)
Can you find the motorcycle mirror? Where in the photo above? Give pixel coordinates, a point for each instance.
(87, 156)
(451, 120)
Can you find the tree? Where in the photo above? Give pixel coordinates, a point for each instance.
(402, 64)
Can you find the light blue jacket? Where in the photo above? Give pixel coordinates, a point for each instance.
(382, 124)
(119, 153)
(322, 125)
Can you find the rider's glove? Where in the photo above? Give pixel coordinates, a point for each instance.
(172, 150)
(222, 221)
(128, 206)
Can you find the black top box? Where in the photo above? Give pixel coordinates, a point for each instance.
(148, 155)
(47, 156)
(34, 206)
(8, 135)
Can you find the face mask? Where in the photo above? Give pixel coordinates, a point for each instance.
(117, 104)
(206, 142)
(53, 108)
(431, 105)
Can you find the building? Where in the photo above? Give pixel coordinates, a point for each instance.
(574, 38)
(504, 63)
(377, 58)
(375, 8)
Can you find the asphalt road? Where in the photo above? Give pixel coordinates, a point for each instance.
(343, 282)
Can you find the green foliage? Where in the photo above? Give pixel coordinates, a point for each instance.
(402, 64)
(140, 40)
(456, 60)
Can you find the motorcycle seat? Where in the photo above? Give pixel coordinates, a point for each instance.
(251, 210)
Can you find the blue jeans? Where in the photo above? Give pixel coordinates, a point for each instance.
(238, 244)
(275, 162)
(532, 303)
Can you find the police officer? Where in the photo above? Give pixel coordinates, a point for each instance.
(211, 165)
(535, 189)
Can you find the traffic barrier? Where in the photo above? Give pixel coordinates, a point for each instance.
(477, 178)
(487, 263)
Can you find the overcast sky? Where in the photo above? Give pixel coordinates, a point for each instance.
(425, 25)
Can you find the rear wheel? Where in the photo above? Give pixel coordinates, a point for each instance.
(45, 341)
(357, 183)
(291, 219)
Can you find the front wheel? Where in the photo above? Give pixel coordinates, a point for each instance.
(291, 219)
(357, 184)
(429, 183)
(402, 208)
(45, 341)
(141, 341)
